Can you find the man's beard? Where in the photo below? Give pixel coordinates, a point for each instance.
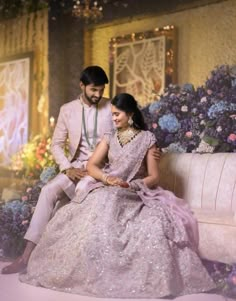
(90, 100)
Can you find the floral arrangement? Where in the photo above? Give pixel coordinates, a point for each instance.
(220, 130)
(15, 216)
(33, 158)
(224, 276)
(33, 161)
(186, 119)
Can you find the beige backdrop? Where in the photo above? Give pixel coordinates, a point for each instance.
(206, 38)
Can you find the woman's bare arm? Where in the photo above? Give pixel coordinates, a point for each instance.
(95, 163)
(153, 169)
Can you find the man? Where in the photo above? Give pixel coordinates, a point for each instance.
(83, 121)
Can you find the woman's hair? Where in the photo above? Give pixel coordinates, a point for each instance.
(93, 75)
(126, 103)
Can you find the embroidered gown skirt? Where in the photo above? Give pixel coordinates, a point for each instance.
(112, 244)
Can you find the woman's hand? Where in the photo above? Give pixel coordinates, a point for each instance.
(115, 181)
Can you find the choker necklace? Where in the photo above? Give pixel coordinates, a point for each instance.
(93, 144)
(127, 135)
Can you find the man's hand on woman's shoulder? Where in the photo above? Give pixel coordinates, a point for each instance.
(157, 154)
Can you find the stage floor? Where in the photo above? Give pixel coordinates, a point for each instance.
(11, 289)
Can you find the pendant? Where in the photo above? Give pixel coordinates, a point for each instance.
(91, 148)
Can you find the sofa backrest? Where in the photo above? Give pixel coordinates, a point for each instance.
(205, 181)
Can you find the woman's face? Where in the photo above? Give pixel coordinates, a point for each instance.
(120, 118)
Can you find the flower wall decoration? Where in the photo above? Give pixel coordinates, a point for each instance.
(186, 119)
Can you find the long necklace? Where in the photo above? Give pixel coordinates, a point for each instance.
(127, 135)
(93, 144)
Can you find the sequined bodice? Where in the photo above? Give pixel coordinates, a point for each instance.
(128, 161)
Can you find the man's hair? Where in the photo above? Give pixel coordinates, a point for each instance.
(93, 75)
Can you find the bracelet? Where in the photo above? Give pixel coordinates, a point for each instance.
(65, 170)
(104, 178)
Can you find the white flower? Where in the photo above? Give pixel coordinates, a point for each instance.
(219, 129)
(204, 99)
(204, 148)
(184, 108)
(201, 116)
(203, 122)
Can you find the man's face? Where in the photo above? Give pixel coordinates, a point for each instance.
(91, 93)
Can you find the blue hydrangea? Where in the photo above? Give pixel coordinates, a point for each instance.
(14, 206)
(17, 207)
(155, 106)
(188, 88)
(169, 122)
(219, 108)
(175, 148)
(47, 174)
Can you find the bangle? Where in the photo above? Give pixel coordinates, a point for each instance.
(65, 170)
(104, 178)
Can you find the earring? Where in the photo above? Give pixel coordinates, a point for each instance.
(130, 121)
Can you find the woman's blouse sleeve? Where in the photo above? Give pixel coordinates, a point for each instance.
(152, 139)
(107, 137)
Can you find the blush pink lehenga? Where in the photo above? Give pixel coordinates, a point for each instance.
(121, 243)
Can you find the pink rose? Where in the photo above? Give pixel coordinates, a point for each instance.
(28, 189)
(209, 92)
(232, 137)
(154, 125)
(24, 222)
(233, 279)
(24, 198)
(189, 134)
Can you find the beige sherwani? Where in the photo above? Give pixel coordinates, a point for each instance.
(69, 127)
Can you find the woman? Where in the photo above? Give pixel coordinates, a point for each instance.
(122, 236)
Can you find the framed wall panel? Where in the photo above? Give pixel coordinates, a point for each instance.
(15, 95)
(143, 64)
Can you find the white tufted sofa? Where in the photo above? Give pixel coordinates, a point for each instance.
(208, 183)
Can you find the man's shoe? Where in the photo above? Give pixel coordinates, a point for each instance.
(16, 266)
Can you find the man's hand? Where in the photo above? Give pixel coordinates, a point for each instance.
(75, 174)
(157, 154)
